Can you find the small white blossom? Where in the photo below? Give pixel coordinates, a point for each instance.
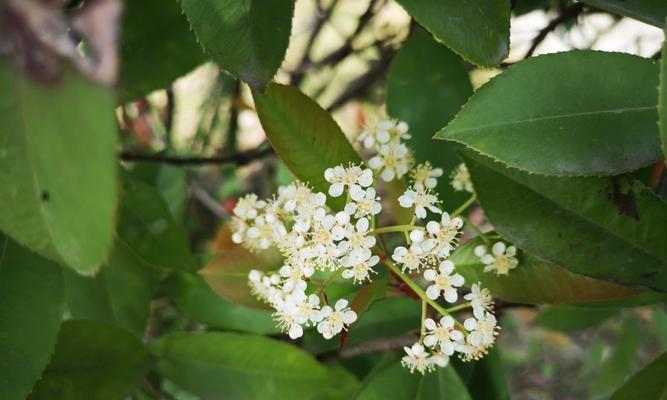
(375, 133)
(442, 237)
(443, 335)
(501, 260)
(358, 240)
(393, 161)
(364, 203)
(411, 258)
(482, 330)
(248, 206)
(334, 320)
(421, 200)
(360, 271)
(444, 281)
(292, 275)
(461, 179)
(480, 299)
(262, 286)
(418, 359)
(352, 177)
(264, 232)
(425, 176)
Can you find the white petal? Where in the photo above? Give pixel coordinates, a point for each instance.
(362, 225)
(429, 324)
(405, 201)
(446, 267)
(342, 218)
(457, 280)
(349, 317)
(420, 212)
(480, 250)
(376, 162)
(450, 295)
(295, 331)
(388, 175)
(498, 248)
(366, 178)
(417, 235)
(432, 292)
(341, 304)
(430, 275)
(511, 251)
(447, 322)
(430, 340)
(433, 227)
(470, 324)
(336, 189)
(488, 259)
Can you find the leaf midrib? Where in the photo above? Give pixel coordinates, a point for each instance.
(445, 133)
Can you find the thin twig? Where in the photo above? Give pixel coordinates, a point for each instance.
(241, 158)
(209, 202)
(567, 14)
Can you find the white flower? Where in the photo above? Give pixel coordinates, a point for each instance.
(334, 320)
(262, 286)
(442, 236)
(248, 206)
(239, 229)
(424, 176)
(375, 133)
(358, 240)
(296, 309)
(308, 210)
(352, 177)
(443, 282)
(443, 334)
(420, 200)
(398, 130)
(461, 179)
(360, 271)
(265, 232)
(501, 259)
(292, 195)
(410, 258)
(482, 330)
(480, 299)
(393, 161)
(419, 359)
(292, 275)
(365, 203)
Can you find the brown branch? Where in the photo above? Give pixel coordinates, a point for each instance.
(570, 12)
(241, 158)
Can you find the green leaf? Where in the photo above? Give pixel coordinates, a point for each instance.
(558, 115)
(147, 66)
(169, 181)
(485, 378)
(535, 281)
(662, 101)
(565, 318)
(149, 229)
(248, 38)
(647, 384)
(620, 362)
(368, 295)
(196, 300)
(227, 273)
(121, 293)
(477, 30)
(93, 360)
(652, 12)
(58, 167)
(427, 86)
(304, 135)
(32, 302)
(394, 382)
(230, 365)
(610, 228)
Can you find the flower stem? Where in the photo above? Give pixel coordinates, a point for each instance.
(476, 229)
(423, 327)
(419, 291)
(459, 307)
(464, 206)
(395, 228)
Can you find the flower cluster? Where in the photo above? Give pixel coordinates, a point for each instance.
(317, 242)
(501, 260)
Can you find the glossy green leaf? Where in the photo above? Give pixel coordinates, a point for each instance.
(652, 12)
(535, 281)
(662, 100)
(227, 273)
(618, 365)
(566, 318)
(230, 365)
(557, 114)
(427, 86)
(169, 181)
(647, 384)
(58, 167)
(145, 65)
(395, 382)
(342, 384)
(477, 30)
(248, 38)
(32, 302)
(121, 293)
(93, 360)
(304, 135)
(485, 378)
(610, 228)
(148, 228)
(194, 299)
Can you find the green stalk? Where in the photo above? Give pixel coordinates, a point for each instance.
(464, 206)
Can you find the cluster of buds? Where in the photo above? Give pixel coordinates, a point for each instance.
(313, 237)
